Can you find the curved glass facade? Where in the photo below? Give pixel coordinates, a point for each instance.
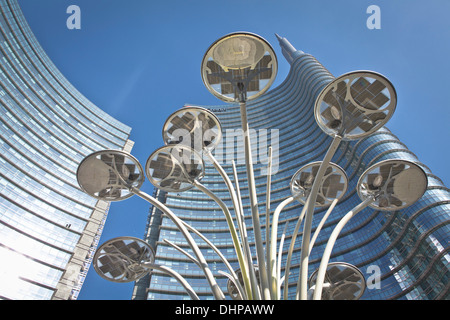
(403, 254)
(49, 228)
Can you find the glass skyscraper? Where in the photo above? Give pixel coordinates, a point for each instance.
(405, 251)
(49, 228)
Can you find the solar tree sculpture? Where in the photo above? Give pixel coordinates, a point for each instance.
(237, 68)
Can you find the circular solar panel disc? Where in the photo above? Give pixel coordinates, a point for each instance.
(334, 183)
(343, 281)
(239, 62)
(121, 259)
(109, 174)
(193, 127)
(355, 105)
(174, 168)
(394, 184)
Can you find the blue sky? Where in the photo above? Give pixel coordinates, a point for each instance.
(139, 60)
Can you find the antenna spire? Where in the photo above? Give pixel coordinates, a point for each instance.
(288, 50)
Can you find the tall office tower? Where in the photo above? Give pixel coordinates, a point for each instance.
(49, 228)
(402, 254)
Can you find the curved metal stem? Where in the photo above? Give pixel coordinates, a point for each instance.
(322, 222)
(273, 245)
(173, 245)
(235, 282)
(244, 237)
(217, 292)
(254, 204)
(294, 238)
(241, 219)
(280, 256)
(239, 211)
(217, 251)
(302, 286)
(234, 235)
(269, 181)
(287, 268)
(330, 244)
(174, 274)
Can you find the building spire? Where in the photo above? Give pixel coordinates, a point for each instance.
(288, 50)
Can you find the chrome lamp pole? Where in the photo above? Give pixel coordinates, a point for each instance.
(236, 68)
